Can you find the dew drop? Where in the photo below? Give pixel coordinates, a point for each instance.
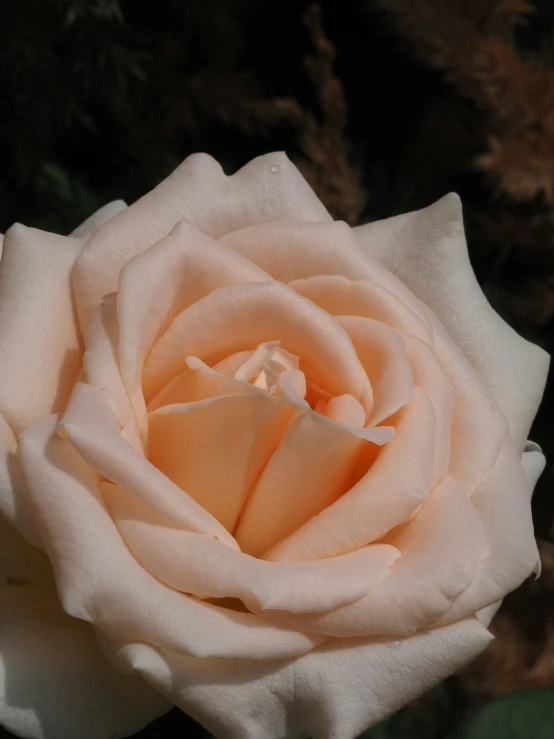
(275, 168)
(394, 644)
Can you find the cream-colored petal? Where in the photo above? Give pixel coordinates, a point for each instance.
(40, 345)
(240, 317)
(383, 498)
(101, 364)
(268, 188)
(97, 219)
(502, 502)
(55, 683)
(192, 563)
(12, 505)
(334, 692)
(479, 427)
(100, 581)
(427, 251)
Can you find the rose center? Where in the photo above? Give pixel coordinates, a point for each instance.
(278, 372)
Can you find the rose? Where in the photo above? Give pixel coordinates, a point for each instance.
(258, 464)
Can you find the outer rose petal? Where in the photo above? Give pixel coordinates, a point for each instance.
(12, 508)
(54, 680)
(428, 252)
(334, 692)
(268, 188)
(40, 343)
(97, 219)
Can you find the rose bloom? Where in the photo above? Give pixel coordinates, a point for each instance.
(254, 463)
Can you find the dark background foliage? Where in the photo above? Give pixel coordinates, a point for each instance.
(385, 105)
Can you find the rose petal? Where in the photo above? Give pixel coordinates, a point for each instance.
(54, 680)
(101, 364)
(441, 548)
(240, 317)
(429, 375)
(340, 296)
(94, 432)
(502, 502)
(97, 219)
(39, 337)
(100, 581)
(160, 283)
(12, 507)
(294, 250)
(215, 449)
(308, 472)
(382, 499)
(534, 462)
(337, 690)
(427, 251)
(479, 427)
(382, 353)
(268, 188)
(195, 564)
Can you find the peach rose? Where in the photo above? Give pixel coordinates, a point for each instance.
(273, 467)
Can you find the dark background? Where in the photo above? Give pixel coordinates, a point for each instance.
(385, 106)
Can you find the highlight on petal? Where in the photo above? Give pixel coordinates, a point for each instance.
(337, 690)
(53, 675)
(269, 188)
(100, 581)
(40, 344)
(427, 250)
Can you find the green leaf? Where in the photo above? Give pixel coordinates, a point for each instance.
(524, 714)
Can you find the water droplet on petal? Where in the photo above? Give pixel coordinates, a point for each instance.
(394, 644)
(275, 168)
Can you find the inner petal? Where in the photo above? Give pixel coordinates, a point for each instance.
(238, 317)
(216, 448)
